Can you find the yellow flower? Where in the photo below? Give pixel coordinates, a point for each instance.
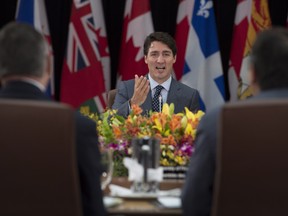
(165, 109)
(180, 160)
(176, 131)
(158, 125)
(168, 109)
(188, 130)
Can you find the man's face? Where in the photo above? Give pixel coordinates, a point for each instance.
(160, 61)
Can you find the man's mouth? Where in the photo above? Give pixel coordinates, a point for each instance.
(160, 68)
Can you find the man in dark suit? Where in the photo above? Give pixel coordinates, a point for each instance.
(269, 80)
(160, 55)
(25, 72)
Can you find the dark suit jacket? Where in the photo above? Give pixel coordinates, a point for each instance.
(198, 188)
(180, 94)
(88, 155)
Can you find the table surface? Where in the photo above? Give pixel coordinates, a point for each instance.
(144, 206)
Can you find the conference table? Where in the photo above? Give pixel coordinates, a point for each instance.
(142, 206)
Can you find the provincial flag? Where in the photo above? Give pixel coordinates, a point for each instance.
(198, 62)
(86, 70)
(34, 13)
(137, 25)
(251, 17)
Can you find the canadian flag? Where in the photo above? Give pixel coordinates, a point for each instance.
(251, 17)
(137, 25)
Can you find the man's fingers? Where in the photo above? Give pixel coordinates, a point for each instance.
(141, 90)
(140, 83)
(147, 89)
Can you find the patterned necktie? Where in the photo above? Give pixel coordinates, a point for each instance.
(156, 101)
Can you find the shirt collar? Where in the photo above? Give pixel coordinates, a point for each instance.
(35, 83)
(165, 84)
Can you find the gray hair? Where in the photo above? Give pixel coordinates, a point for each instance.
(269, 57)
(22, 51)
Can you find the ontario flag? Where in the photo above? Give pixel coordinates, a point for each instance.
(86, 70)
(34, 13)
(252, 16)
(198, 62)
(137, 25)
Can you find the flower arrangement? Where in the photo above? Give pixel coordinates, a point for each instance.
(176, 132)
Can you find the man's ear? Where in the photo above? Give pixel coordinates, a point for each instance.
(145, 59)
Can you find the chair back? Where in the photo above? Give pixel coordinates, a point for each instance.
(111, 97)
(252, 160)
(37, 159)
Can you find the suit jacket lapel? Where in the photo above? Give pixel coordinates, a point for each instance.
(173, 92)
(147, 105)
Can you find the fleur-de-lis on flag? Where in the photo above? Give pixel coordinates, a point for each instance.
(204, 8)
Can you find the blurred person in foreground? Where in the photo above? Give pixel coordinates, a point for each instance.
(25, 73)
(158, 86)
(269, 80)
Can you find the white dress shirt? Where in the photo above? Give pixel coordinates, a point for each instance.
(166, 87)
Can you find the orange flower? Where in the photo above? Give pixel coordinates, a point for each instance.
(136, 109)
(169, 140)
(131, 129)
(176, 132)
(117, 132)
(175, 123)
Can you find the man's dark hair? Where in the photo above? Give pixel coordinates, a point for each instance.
(22, 51)
(162, 37)
(270, 58)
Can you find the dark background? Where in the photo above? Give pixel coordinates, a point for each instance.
(164, 13)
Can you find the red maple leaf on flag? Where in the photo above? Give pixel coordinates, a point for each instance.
(128, 64)
(137, 13)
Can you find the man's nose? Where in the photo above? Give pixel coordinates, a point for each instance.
(160, 59)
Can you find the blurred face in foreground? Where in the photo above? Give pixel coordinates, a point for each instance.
(160, 61)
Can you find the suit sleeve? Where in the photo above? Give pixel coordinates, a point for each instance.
(195, 105)
(198, 187)
(89, 167)
(121, 102)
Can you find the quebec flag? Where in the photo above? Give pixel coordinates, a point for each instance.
(34, 13)
(198, 62)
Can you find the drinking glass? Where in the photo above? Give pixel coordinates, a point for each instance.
(107, 167)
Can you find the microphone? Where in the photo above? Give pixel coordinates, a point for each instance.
(160, 103)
